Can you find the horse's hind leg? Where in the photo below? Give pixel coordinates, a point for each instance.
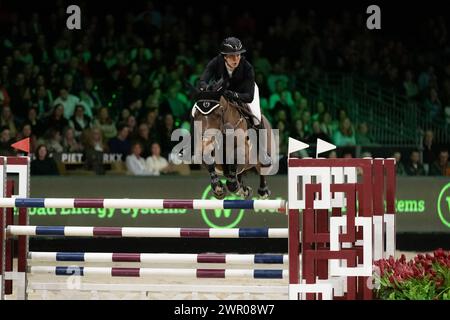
(263, 189)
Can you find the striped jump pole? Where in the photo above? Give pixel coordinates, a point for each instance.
(143, 232)
(155, 272)
(159, 258)
(70, 203)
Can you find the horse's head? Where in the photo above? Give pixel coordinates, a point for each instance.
(209, 106)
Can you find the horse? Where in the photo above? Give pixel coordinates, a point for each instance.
(218, 117)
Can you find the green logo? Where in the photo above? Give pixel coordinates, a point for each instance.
(218, 218)
(443, 205)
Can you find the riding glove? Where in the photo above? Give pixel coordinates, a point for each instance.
(231, 95)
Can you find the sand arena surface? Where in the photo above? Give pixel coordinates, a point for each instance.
(162, 284)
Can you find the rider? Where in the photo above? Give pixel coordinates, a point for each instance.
(232, 68)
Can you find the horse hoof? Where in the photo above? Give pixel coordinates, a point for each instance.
(219, 192)
(264, 193)
(245, 192)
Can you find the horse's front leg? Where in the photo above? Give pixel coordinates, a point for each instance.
(233, 184)
(244, 191)
(217, 187)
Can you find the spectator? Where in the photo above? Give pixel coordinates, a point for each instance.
(399, 166)
(281, 97)
(132, 126)
(156, 164)
(441, 166)
(4, 96)
(105, 123)
(20, 96)
(363, 137)
(143, 137)
(166, 133)
(430, 149)
(332, 154)
(90, 97)
(37, 126)
(5, 142)
(345, 136)
(43, 164)
(42, 101)
(121, 144)
(94, 147)
(307, 124)
(62, 52)
(7, 120)
(68, 101)
(410, 86)
(53, 140)
(284, 137)
(93, 139)
(433, 106)
(124, 114)
(317, 133)
(327, 124)
(56, 119)
(150, 120)
(135, 163)
(320, 110)
(414, 167)
(178, 104)
(299, 133)
(79, 121)
(27, 132)
(70, 143)
(135, 92)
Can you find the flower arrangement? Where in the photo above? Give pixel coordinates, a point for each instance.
(426, 277)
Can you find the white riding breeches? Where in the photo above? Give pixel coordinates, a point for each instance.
(254, 106)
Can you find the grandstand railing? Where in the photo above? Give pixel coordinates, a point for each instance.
(393, 119)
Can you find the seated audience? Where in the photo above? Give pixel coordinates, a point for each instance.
(156, 164)
(135, 163)
(441, 166)
(43, 164)
(415, 167)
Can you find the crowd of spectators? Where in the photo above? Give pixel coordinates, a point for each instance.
(118, 85)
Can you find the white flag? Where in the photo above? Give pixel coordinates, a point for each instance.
(323, 146)
(295, 145)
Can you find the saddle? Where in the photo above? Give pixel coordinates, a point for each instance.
(245, 112)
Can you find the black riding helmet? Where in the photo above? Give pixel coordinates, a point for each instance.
(232, 45)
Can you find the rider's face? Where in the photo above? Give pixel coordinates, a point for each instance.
(232, 60)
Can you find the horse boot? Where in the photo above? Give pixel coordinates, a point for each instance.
(217, 187)
(232, 183)
(264, 158)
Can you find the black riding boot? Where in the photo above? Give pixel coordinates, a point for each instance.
(264, 158)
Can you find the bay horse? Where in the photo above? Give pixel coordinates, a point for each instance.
(224, 122)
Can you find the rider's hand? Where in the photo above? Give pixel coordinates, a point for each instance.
(231, 95)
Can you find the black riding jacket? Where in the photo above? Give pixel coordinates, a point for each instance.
(242, 79)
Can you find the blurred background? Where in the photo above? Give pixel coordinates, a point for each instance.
(86, 97)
